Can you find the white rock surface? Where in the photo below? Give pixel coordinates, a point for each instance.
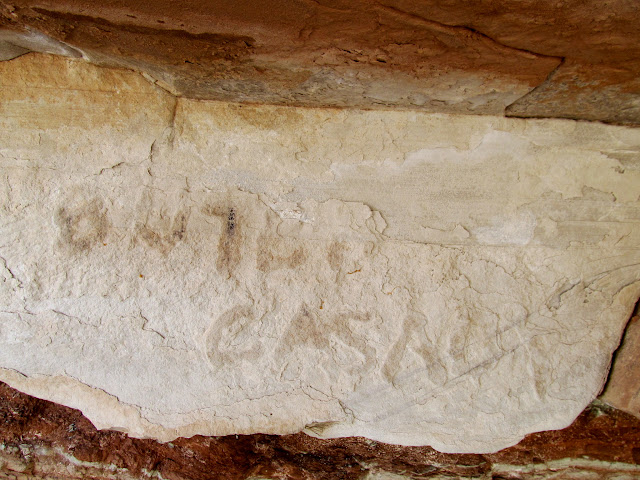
(175, 267)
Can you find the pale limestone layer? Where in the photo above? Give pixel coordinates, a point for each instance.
(176, 267)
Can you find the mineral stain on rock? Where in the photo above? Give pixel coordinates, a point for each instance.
(230, 242)
(165, 232)
(334, 335)
(83, 226)
(231, 339)
(275, 254)
(413, 333)
(335, 255)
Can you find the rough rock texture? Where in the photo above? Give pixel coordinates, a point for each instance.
(623, 387)
(175, 267)
(534, 58)
(39, 439)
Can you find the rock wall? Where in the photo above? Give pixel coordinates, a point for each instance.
(174, 267)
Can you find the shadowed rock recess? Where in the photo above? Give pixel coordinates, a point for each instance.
(534, 58)
(187, 256)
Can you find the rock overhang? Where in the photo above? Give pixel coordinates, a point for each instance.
(536, 59)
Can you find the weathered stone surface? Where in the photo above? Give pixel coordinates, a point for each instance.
(534, 58)
(175, 267)
(51, 441)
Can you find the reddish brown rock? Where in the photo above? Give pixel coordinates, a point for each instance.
(599, 44)
(41, 439)
(296, 53)
(623, 387)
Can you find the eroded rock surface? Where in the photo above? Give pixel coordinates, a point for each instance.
(533, 58)
(175, 267)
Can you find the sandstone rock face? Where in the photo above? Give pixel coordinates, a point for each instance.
(531, 58)
(175, 267)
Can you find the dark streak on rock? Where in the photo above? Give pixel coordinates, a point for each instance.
(461, 28)
(230, 242)
(228, 42)
(180, 226)
(231, 222)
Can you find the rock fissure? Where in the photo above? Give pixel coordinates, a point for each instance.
(472, 31)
